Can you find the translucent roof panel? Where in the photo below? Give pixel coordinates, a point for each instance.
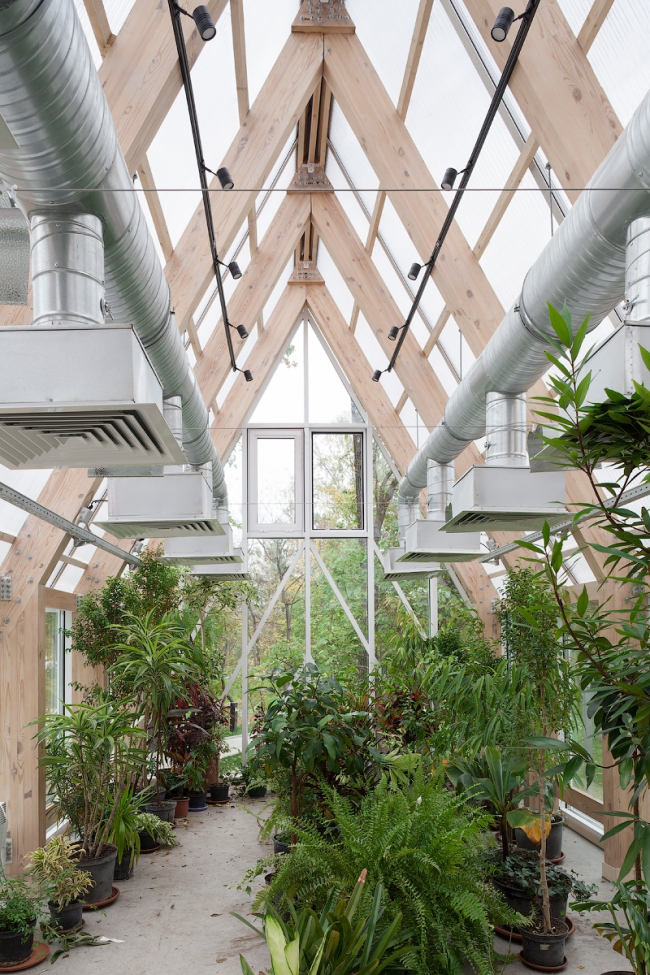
(619, 56)
(267, 27)
(171, 154)
(447, 110)
(88, 31)
(519, 239)
(335, 282)
(117, 11)
(348, 200)
(353, 158)
(377, 359)
(575, 12)
(385, 37)
(283, 399)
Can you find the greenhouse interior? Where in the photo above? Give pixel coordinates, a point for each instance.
(324, 467)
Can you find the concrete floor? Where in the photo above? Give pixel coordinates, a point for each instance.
(173, 915)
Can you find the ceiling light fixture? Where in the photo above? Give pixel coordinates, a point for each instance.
(241, 329)
(207, 30)
(502, 24)
(201, 17)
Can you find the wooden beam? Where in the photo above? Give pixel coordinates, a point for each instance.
(250, 158)
(558, 91)
(386, 420)
(414, 55)
(399, 165)
(267, 352)
(254, 289)
(76, 562)
(155, 207)
(436, 332)
(140, 73)
(37, 548)
(100, 25)
(5, 537)
(519, 170)
(593, 22)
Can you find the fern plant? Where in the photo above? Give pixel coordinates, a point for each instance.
(423, 845)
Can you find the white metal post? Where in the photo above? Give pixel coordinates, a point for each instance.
(433, 606)
(244, 682)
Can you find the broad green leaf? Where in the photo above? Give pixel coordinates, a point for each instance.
(645, 355)
(583, 602)
(245, 967)
(560, 326)
(277, 943)
(292, 956)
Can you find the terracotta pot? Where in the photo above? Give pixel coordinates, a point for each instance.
(181, 807)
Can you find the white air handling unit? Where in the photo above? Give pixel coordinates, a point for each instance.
(226, 572)
(177, 504)
(203, 550)
(76, 396)
(425, 540)
(395, 570)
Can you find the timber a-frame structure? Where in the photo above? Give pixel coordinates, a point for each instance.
(322, 63)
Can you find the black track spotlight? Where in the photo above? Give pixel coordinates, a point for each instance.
(502, 24)
(243, 334)
(225, 178)
(204, 23)
(235, 270)
(449, 178)
(248, 375)
(394, 332)
(414, 271)
(376, 376)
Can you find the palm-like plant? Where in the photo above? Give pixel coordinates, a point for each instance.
(498, 781)
(155, 662)
(92, 752)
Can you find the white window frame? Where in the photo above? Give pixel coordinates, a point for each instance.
(286, 529)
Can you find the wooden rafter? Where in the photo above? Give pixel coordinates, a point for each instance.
(593, 22)
(100, 25)
(140, 73)
(558, 92)
(403, 102)
(250, 159)
(254, 289)
(267, 352)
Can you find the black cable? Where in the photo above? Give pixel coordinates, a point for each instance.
(526, 20)
(179, 37)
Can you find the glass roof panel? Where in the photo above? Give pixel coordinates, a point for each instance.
(171, 153)
(335, 282)
(117, 11)
(619, 56)
(353, 158)
(267, 26)
(385, 32)
(447, 110)
(518, 240)
(329, 400)
(442, 371)
(283, 399)
(348, 201)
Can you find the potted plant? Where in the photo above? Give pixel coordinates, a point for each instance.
(154, 831)
(629, 929)
(155, 661)
(527, 837)
(345, 938)
(125, 834)
(92, 753)
(56, 869)
(19, 911)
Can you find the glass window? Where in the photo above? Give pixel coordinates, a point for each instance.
(337, 481)
(275, 481)
(56, 681)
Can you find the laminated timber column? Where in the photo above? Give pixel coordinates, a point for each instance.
(29, 564)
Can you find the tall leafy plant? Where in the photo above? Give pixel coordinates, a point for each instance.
(91, 755)
(156, 660)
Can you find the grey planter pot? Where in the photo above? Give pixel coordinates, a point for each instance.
(101, 870)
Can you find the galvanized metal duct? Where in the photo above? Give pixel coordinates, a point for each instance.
(14, 253)
(583, 264)
(69, 160)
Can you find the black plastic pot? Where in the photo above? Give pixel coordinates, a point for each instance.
(67, 917)
(198, 801)
(219, 791)
(101, 870)
(280, 844)
(124, 868)
(163, 810)
(553, 841)
(517, 900)
(257, 792)
(15, 946)
(147, 842)
(544, 950)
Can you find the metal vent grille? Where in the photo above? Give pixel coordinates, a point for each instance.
(92, 435)
(455, 555)
(504, 520)
(167, 528)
